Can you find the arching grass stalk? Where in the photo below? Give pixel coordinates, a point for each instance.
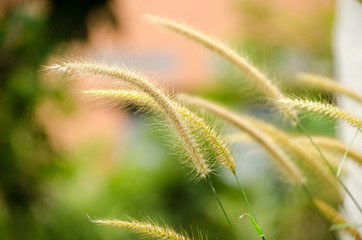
(264, 84)
(285, 165)
(301, 127)
(200, 129)
(291, 172)
(345, 155)
(221, 206)
(215, 143)
(143, 100)
(198, 162)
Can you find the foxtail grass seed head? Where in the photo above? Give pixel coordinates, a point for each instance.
(271, 91)
(324, 108)
(198, 163)
(203, 144)
(145, 228)
(208, 135)
(291, 171)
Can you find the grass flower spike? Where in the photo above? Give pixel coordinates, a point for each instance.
(285, 165)
(299, 160)
(157, 94)
(271, 91)
(324, 108)
(146, 228)
(199, 127)
(163, 102)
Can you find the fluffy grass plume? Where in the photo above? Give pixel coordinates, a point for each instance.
(199, 164)
(334, 217)
(289, 169)
(324, 108)
(326, 84)
(205, 133)
(271, 91)
(146, 228)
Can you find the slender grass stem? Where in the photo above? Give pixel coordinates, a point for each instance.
(221, 206)
(256, 226)
(246, 198)
(345, 154)
(300, 125)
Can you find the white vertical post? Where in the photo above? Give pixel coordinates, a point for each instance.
(348, 70)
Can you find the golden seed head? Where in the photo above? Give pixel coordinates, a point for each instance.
(157, 94)
(263, 83)
(324, 108)
(146, 228)
(285, 164)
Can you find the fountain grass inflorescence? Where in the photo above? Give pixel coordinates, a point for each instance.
(300, 159)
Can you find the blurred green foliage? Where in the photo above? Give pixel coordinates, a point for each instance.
(29, 32)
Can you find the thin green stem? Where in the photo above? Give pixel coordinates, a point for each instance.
(221, 206)
(330, 166)
(245, 197)
(345, 154)
(249, 205)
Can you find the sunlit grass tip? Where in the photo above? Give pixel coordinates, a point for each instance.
(290, 170)
(263, 83)
(146, 228)
(214, 142)
(324, 108)
(77, 67)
